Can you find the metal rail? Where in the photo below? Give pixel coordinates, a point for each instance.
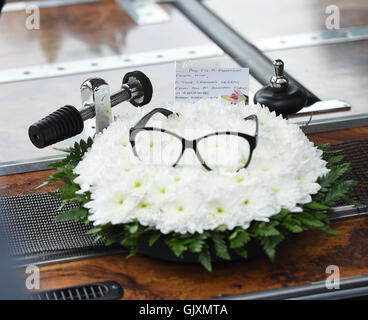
(349, 288)
(94, 65)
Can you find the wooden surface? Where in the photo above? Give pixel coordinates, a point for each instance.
(303, 261)
(300, 262)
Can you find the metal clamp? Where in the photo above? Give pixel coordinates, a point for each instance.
(96, 102)
(67, 121)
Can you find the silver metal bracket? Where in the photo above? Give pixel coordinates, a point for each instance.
(321, 107)
(95, 93)
(332, 124)
(109, 63)
(314, 38)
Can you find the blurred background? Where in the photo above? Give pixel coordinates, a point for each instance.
(44, 61)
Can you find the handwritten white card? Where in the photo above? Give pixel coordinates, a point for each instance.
(192, 84)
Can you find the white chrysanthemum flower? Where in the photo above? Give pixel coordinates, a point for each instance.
(283, 171)
(115, 204)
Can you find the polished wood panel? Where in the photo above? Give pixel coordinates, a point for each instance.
(339, 136)
(302, 261)
(26, 183)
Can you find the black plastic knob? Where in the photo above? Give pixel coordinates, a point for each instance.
(289, 101)
(62, 124)
(281, 96)
(146, 84)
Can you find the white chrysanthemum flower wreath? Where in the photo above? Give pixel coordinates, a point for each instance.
(283, 173)
(286, 188)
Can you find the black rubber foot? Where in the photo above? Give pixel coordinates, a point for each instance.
(62, 124)
(146, 86)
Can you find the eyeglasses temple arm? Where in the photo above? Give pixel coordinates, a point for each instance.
(255, 118)
(141, 123)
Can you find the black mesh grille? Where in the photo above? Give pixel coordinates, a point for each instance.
(32, 232)
(30, 227)
(95, 291)
(356, 152)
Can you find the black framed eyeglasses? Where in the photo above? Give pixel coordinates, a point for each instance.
(228, 149)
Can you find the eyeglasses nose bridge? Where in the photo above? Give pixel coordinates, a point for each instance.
(190, 144)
